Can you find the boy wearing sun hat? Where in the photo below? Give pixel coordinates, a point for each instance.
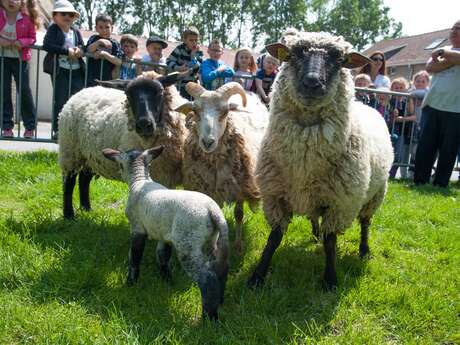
(64, 44)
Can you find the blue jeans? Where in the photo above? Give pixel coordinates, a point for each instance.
(26, 107)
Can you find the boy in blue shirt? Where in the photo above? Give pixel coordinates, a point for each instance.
(213, 71)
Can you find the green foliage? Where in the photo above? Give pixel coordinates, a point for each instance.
(63, 282)
(244, 22)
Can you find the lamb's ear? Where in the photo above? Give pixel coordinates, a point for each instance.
(118, 84)
(111, 154)
(186, 108)
(355, 60)
(279, 51)
(153, 153)
(169, 79)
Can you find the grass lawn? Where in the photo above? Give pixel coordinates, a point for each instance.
(63, 282)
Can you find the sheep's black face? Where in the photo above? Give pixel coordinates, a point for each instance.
(316, 68)
(146, 99)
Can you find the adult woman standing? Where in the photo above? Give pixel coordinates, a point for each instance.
(441, 111)
(377, 70)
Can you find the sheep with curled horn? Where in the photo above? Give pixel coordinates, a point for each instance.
(221, 148)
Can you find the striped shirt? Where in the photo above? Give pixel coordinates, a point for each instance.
(182, 55)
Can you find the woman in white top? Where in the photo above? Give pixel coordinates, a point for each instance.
(441, 114)
(377, 70)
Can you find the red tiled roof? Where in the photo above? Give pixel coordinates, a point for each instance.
(412, 48)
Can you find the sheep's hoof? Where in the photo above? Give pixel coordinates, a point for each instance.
(238, 247)
(211, 315)
(255, 281)
(85, 208)
(69, 215)
(133, 275)
(165, 274)
(364, 252)
(330, 284)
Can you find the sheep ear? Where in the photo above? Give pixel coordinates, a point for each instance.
(186, 108)
(111, 154)
(355, 60)
(279, 51)
(153, 153)
(118, 84)
(169, 79)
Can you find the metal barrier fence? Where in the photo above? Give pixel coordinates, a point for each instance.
(401, 111)
(19, 87)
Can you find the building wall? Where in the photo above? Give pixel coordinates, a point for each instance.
(41, 86)
(404, 71)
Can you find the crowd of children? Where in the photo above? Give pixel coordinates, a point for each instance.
(402, 114)
(107, 59)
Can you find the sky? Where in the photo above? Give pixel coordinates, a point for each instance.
(421, 16)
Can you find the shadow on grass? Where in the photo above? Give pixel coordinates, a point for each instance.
(429, 189)
(91, 270)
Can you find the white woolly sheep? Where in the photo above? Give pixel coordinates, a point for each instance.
(221, 148)
(99, 117)
(191, 222)
(324, 155)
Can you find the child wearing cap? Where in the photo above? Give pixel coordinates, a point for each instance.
(154, 46)
(105, 50)
(64, 44)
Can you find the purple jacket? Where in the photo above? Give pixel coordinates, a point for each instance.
(25, 33)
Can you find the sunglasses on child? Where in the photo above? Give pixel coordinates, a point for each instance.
(69, 14)
(377, 58)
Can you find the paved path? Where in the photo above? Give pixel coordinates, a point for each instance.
(44, 132)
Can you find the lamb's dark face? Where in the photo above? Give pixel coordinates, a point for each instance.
(316, 68)
(146, 100)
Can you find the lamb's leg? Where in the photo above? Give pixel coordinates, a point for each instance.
(238, 213)
(135, 256)
(330, 249)
(163, 257)
(278, 214)
(68, 186)
(364, 245)
(208, 282)
(84, 179)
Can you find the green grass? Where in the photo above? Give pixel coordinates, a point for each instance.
(63, 282)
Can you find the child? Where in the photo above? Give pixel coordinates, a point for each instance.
(185, 56)
(364, 81)
(402, 125)
(103, 48)
(128, 69)
(213, 71)
(265, 78)
(420, 81)
(245, 66)
(154, 46)
(18, 23)
(64, 44)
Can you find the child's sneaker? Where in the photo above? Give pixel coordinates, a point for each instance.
(29, 134)
(8, 133)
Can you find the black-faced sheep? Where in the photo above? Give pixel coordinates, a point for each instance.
(99, 117)
(221, 148)
(191, 222)
(324, 155)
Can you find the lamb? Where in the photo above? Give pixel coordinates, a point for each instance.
(98, 117)
(222, 145)
(324, 155)
(190, 222)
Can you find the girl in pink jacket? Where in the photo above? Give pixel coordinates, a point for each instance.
(18, 24)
